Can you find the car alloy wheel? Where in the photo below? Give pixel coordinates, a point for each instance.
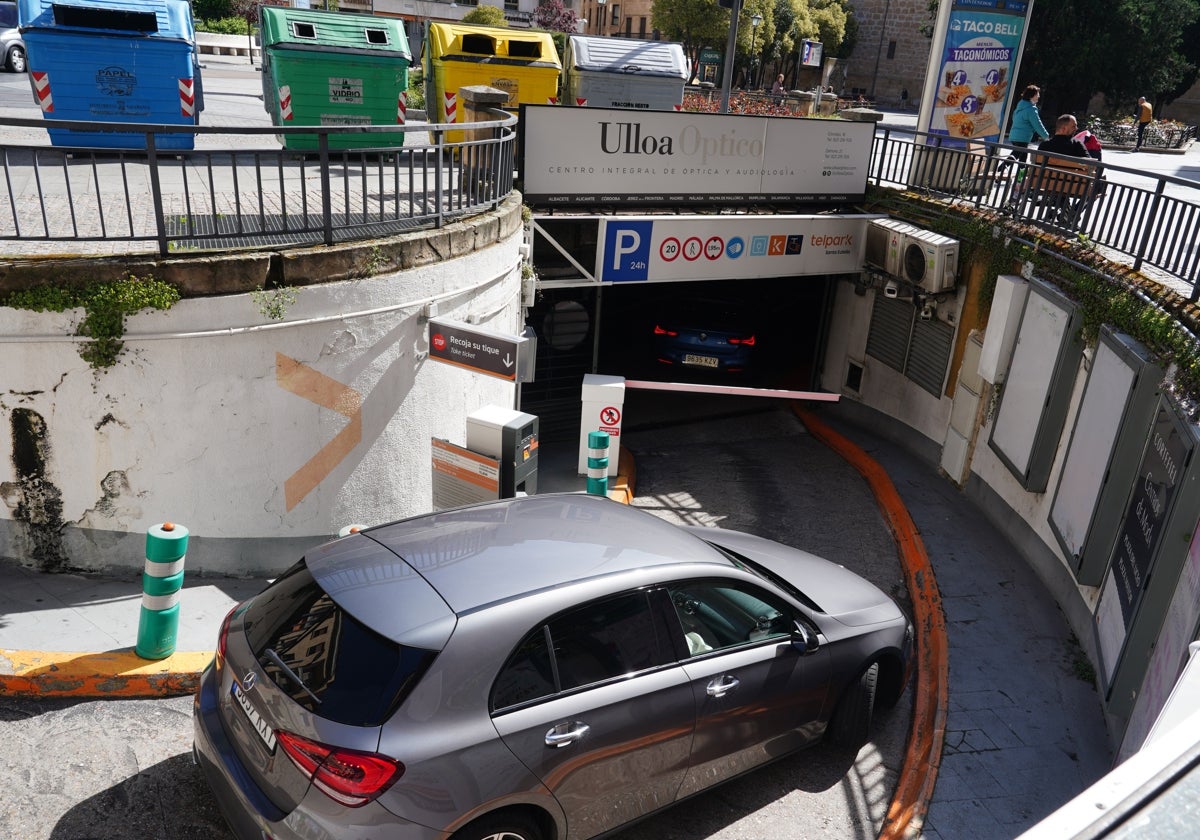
(16, 60)
(501, 827)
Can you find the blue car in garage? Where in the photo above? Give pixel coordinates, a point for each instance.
(706, 335)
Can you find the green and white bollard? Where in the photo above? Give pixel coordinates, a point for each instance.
(158, 624)
(597, 472)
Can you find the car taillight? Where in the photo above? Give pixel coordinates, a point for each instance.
(664, 331)
(350, 777)
(748, 341)
(223, 637)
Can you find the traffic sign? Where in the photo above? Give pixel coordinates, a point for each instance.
(496, 354)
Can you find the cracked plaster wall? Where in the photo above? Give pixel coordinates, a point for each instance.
(199, 430)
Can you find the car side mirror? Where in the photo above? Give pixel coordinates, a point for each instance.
(803, 639)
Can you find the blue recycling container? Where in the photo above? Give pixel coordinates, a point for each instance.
(113, 61)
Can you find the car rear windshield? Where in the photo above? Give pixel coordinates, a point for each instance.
(326, 660)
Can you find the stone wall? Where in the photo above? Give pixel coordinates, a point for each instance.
(869, 68)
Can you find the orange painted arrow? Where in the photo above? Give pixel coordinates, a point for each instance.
(303, 381)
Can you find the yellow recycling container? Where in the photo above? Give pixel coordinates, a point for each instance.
(521, 62)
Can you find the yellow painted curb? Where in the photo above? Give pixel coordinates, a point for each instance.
(120, 673)
(621, 486)
(923, 756)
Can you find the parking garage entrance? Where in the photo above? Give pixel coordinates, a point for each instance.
(732, 323)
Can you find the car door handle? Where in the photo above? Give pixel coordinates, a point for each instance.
(565, 734)
(722, 686)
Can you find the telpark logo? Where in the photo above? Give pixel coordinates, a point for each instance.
(824, 240)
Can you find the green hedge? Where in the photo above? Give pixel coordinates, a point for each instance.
(223, 26)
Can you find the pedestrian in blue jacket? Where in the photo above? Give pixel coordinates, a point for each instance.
(1026, 122)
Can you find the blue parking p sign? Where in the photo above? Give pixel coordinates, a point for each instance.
(626, 255)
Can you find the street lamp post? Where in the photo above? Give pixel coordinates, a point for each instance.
(755, 20)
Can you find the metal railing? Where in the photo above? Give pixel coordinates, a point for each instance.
(1151, 222)
(227, 194)
(1159, 134)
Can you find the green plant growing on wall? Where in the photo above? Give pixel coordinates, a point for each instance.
(375, 262)
(105, 305)
(274, 303)
(1106, 293)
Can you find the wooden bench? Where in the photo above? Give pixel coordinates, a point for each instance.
(1064, 177)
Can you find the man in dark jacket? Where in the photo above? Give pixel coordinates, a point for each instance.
(1063, 142)
(1061, 206)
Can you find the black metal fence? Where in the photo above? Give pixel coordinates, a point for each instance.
(56, 199)
(1159, 134)
(1150, 221)
(227, 194)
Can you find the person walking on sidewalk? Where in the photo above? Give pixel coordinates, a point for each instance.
(1145, 115)
(1027, 123)
(1027, 126)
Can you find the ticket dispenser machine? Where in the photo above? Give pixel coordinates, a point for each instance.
(512, 438)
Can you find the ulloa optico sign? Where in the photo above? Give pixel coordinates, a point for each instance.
(613, 156)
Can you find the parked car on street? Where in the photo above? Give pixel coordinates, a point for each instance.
(531, 669)
(12, 45)
(705, 335)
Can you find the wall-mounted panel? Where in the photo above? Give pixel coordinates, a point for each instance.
(1037, 387)
(1170, 654)
(1151, 547)
(1101, 461)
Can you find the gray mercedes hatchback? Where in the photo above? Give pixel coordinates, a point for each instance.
(542, 668)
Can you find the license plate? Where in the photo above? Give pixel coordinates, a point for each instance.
(260, 726)
(701, 361)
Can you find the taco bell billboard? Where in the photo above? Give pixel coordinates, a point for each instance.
(973, 73)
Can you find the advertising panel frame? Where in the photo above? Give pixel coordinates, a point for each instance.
(618, 157)
(973, 64)
(1152, 548)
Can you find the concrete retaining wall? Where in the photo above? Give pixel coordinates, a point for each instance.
(210, 43)
(260, 436)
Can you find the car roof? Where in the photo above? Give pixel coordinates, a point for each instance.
(477, 555)
(491, 552)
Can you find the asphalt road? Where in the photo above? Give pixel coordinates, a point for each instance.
(122, 770)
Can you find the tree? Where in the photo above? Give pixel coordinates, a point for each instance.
(248, 11)
(1151, 51)
(486, 16)
(212, 9)
(830, 17)
(1078, 48)
(553, 16)
(693, 23)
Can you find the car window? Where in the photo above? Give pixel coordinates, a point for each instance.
(8, 16)
(606, 640)
(339, 668)
(723, 614)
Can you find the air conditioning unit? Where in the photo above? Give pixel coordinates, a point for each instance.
(885, 242)
(929, 261)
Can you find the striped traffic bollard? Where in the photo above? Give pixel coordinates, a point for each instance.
(158, 624)
(597, 473)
